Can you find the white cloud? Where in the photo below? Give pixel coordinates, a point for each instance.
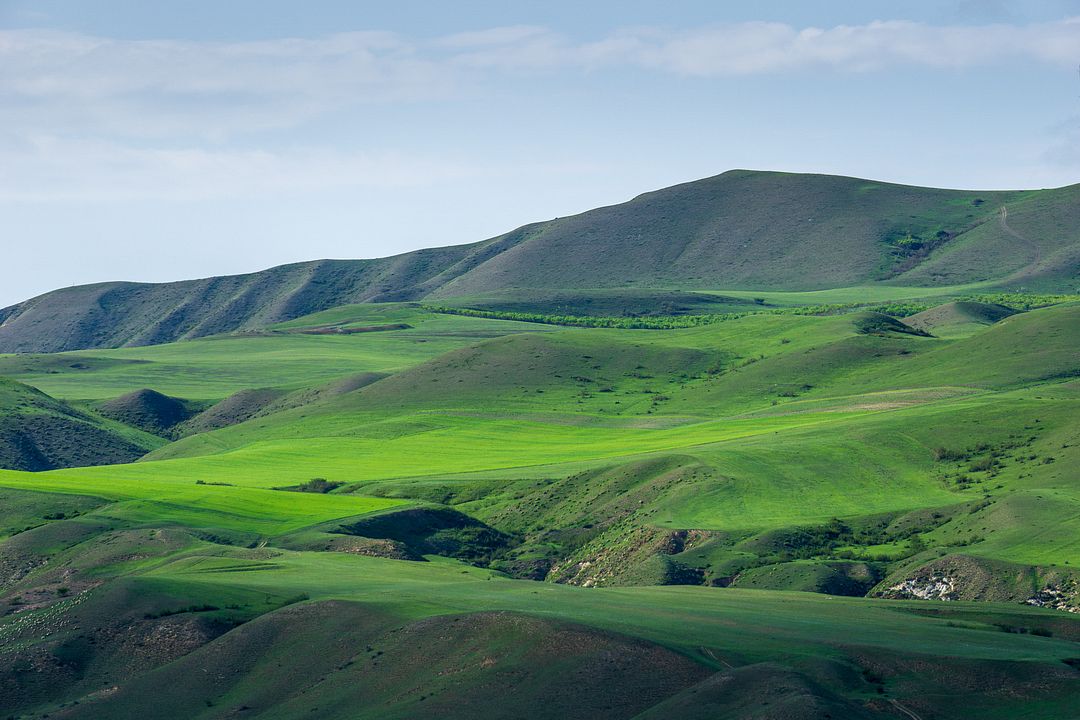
(92, 117)
(56, 170)
(378, 66)
(48, 63)
(492, 36)
(51, 169)
(762, 48)
(65, 82)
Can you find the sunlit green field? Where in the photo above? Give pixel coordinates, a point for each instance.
(212, 368)
(858, 294)
(844, 446)
(625, 450)
(745, 625)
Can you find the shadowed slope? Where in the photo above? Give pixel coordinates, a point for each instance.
(38, 432)
(742, 229)
(344, 660)
(128, 314)
(149, 411)
(957, 317)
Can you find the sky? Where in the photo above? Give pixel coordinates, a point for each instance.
(165, 141)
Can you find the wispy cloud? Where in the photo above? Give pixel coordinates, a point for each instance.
(57, 169)
(161, 87)
(378, 67)
(91, 115)
(759, 48)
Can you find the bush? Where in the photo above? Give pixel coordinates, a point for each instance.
(316, 485)
(942, 454)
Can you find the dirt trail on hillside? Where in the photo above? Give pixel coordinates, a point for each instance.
(910, 713)
(1003, 220)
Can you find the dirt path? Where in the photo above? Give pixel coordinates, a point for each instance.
(910, 713)
(722, 661)
(1036, 251)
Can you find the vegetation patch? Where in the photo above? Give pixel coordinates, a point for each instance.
(352, 329)
(872, 323)
(314, 485)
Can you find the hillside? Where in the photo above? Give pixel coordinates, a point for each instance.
(38, 432)
(755, 517)
(149, 411)
(958, 317)
(739, 230)
(634, 457)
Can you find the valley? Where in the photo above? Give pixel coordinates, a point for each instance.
(836, 496)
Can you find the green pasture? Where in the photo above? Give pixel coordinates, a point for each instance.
(854, 438)
(176, 499)
(856, 294)
(212, 368)
(742, 625)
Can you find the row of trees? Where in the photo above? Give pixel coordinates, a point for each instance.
(1017, 301)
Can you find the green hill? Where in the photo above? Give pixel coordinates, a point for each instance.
(858, 502)
(741, 230)
(648, 456)
(471, 517)
(149, 411)
(956, 318)
(38, 432)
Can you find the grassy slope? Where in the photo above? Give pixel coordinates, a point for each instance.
(734, 230)
(117, 314)
(857, 441)
(413, 637)
(38, 432)
(1039, 252)
(216, 367)
(742, 229)
(414, 626)
(958, 318)
(712, 429)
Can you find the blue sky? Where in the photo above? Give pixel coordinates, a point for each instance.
(161, 141)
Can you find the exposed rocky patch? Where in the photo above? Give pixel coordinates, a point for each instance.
(963, 577)
(924, 587)
(628, 555)
(1057, 597)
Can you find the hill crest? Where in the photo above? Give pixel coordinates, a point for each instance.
(739, 230)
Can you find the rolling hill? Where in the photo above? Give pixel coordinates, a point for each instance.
(739, 230)
(763, 446)
(392, 510)
(958, 317)
(38, 432)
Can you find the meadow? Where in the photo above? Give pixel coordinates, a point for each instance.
(748, 496)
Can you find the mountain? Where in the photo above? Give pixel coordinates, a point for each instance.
(739, 230)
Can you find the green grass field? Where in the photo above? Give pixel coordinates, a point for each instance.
(653, 495)
(212, 368)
